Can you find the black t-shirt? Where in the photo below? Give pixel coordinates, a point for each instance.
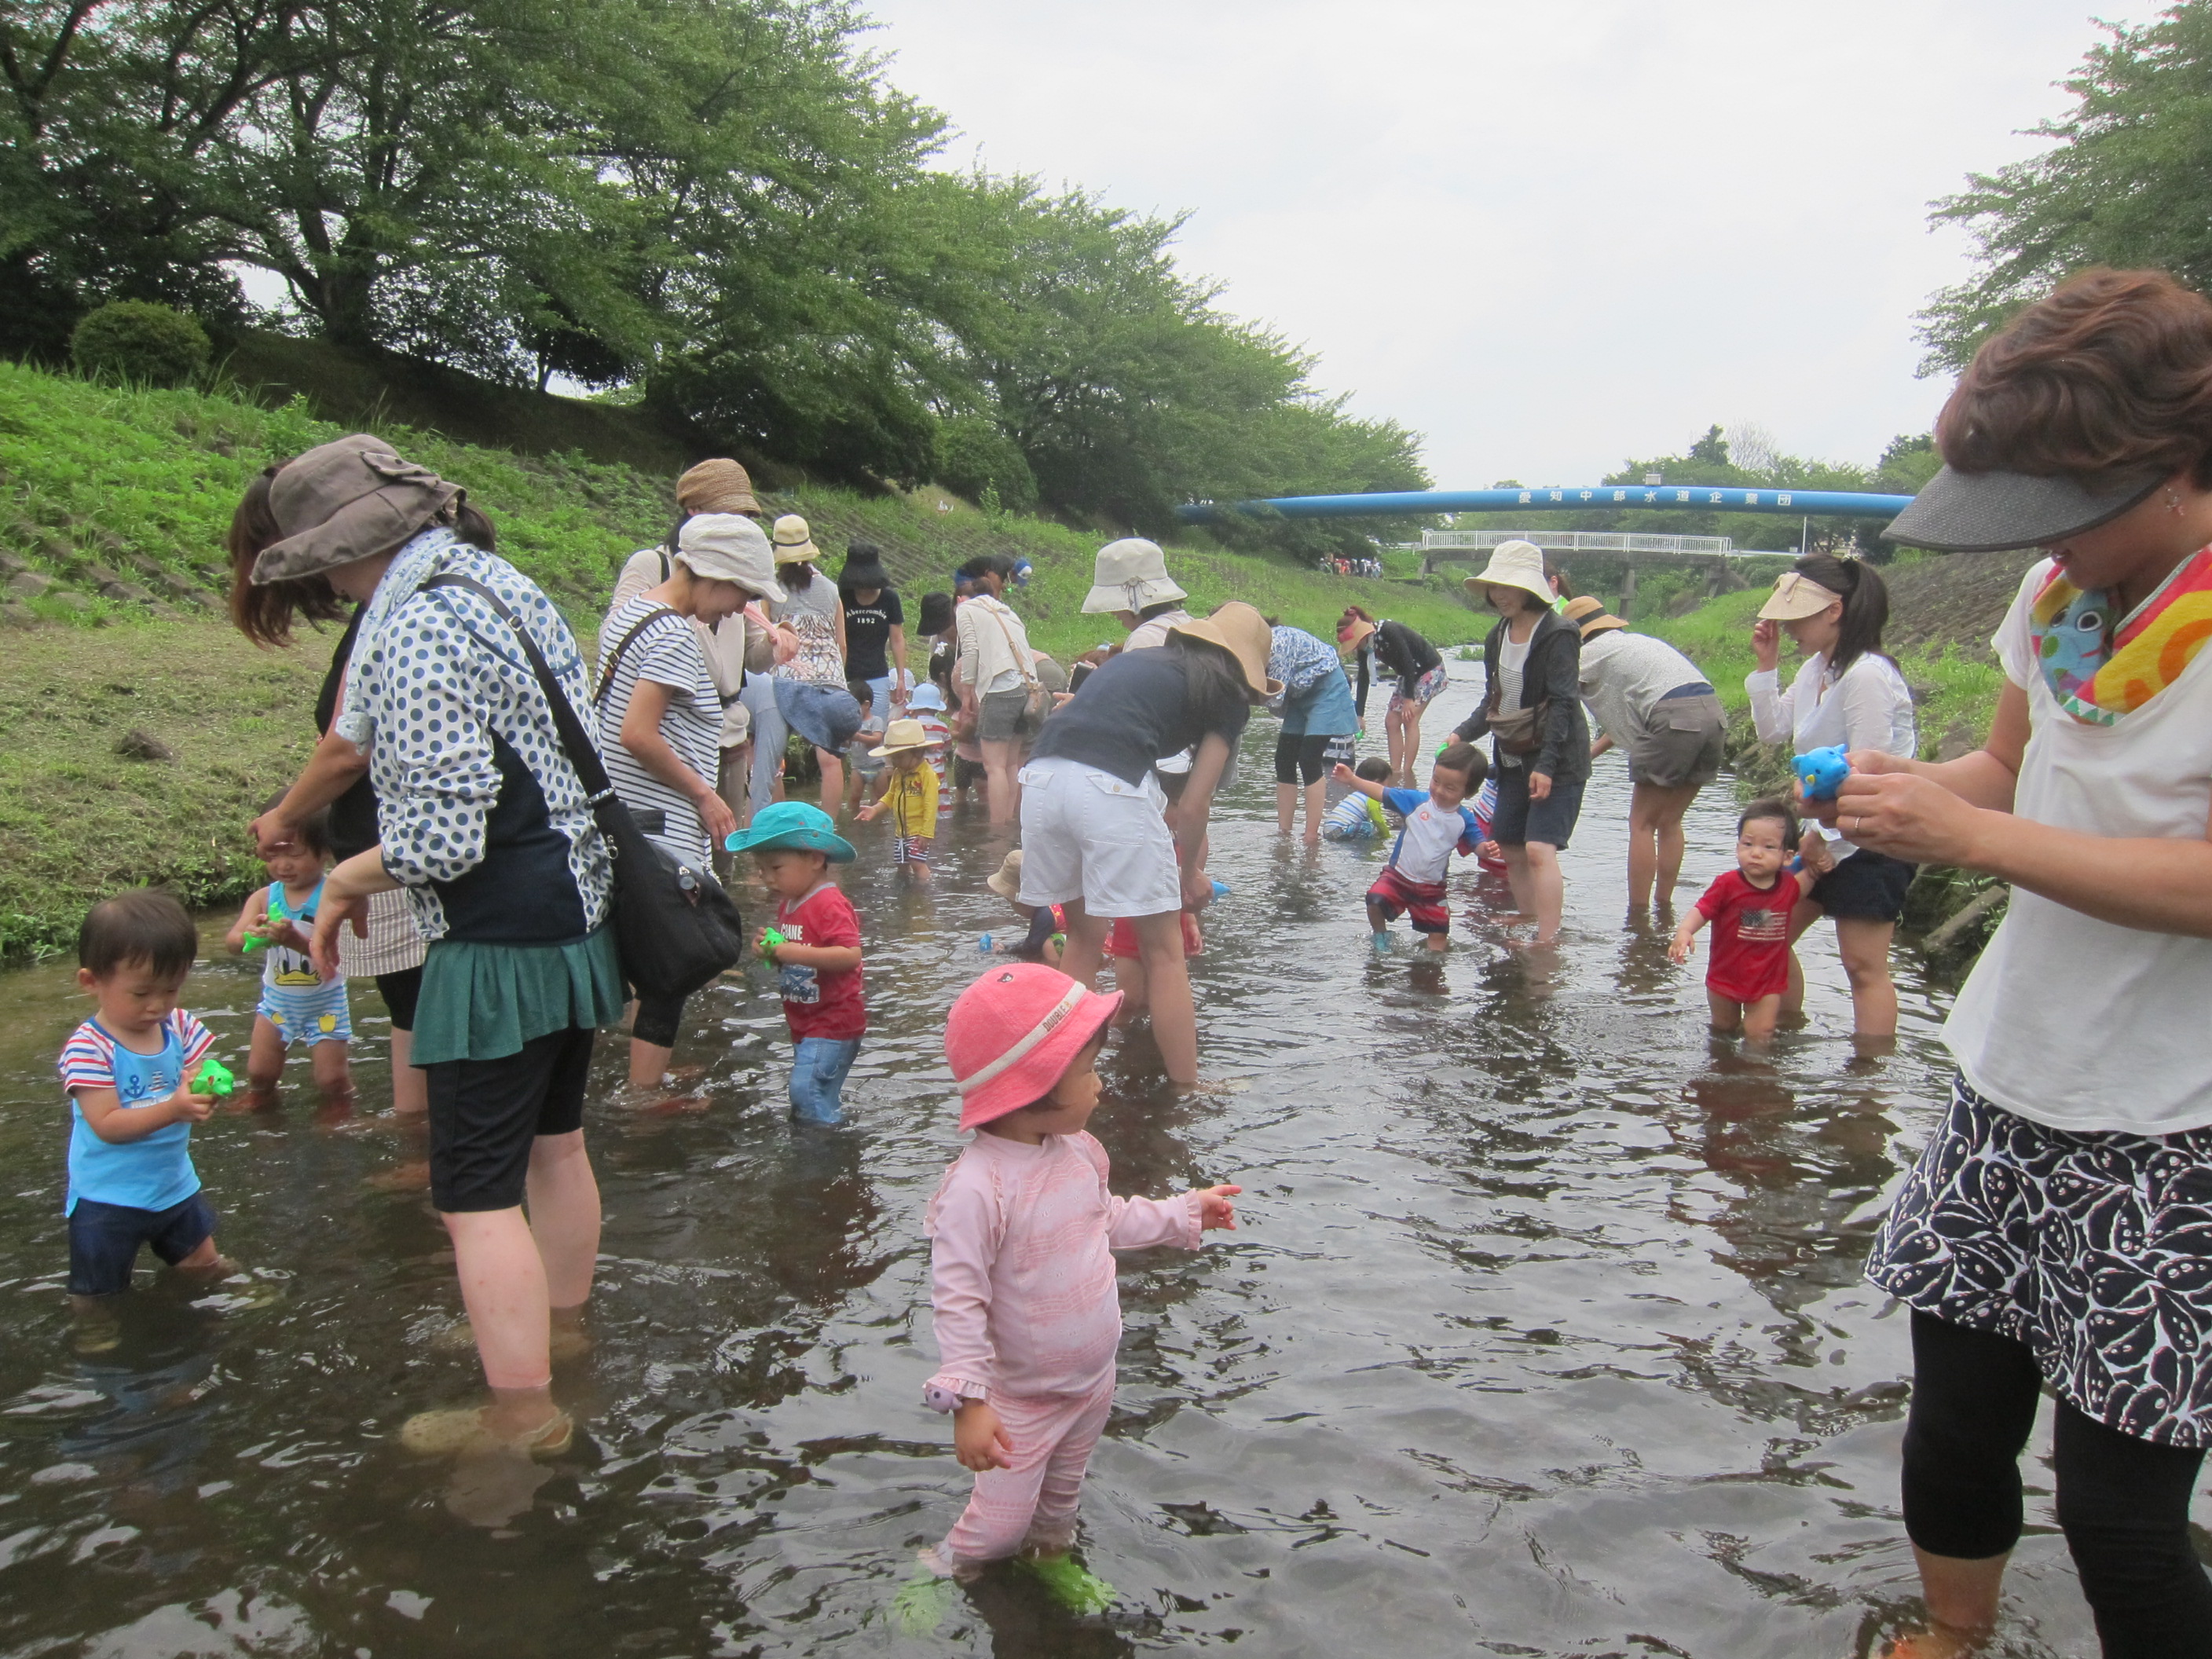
(1137, 709)
(868, 635)
(353, 815)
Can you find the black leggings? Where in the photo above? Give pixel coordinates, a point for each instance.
(1300, 759)
(2123, 1502)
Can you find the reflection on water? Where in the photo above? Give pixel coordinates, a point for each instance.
(1544, 1334)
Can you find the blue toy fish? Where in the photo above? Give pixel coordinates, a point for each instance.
(1822, 772)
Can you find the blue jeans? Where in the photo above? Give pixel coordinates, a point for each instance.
(817, 1078)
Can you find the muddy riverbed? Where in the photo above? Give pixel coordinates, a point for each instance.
(1544, 1334)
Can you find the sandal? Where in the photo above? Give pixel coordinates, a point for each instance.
(453, 1430)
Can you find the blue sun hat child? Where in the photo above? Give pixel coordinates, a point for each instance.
(794, 824)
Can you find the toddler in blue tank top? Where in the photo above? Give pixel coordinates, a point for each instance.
(130, 1177)
(297, 1004)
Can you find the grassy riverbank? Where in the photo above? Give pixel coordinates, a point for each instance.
(112, 506)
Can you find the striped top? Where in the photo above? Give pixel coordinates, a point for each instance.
(668, 653)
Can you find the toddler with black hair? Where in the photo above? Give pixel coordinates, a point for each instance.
(297, 1004)
(1749, 908)
(131, 1109)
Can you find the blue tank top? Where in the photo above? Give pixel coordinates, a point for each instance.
(290, 969)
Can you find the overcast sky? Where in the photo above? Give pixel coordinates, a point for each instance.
(1547, 236)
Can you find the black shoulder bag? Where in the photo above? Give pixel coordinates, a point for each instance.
(675, 928)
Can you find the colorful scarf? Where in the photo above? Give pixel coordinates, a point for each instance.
(2099, 669)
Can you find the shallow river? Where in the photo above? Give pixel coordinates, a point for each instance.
(1544, 1334)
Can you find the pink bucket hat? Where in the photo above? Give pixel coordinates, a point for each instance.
(1012, 1035)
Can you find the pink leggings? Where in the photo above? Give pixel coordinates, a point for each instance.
(1032, 1504)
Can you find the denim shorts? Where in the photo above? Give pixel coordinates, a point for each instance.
(103, 1240)
(817, 1078)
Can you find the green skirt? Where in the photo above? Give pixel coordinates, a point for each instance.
(484, 1001)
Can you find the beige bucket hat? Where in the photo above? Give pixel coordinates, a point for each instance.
(1243, 633)
(1130, 574)
(728, 547)
(1795, 597)
(1513, 564)
(717, 486)
(1006, 881)
(352, 498)
(794, 541)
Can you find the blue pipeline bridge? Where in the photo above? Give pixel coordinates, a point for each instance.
(1620, 551)
(1673, 498)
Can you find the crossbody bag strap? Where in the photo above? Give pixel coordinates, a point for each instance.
(615, 657)
(1029, 670)
(590, 770)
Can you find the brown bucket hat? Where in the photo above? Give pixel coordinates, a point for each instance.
(717, 486)
(351, 499)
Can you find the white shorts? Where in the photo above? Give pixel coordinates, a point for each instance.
(1087, 835)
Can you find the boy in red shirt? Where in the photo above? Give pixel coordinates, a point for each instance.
(815, 945)
(1749, 908)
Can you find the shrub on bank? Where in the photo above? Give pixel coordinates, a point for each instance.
(139, 342)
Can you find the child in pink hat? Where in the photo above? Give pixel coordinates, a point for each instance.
(1021, 1276)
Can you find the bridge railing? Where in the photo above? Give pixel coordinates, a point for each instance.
(1438, 545)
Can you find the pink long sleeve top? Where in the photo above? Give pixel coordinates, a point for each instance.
(1021, 1269)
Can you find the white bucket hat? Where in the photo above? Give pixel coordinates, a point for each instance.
(1513, 564)
(1130, 574)
(728, 547)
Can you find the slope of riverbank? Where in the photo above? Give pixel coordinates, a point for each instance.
(112, 507)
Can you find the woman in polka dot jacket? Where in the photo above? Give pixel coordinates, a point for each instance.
(485, 827)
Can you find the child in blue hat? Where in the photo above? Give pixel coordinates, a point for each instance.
(815, 945)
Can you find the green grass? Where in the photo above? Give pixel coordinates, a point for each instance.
(141, 484)
(78, 820)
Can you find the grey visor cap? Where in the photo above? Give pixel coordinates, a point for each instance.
(1988, 512)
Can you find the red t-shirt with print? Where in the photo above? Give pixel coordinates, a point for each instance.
(817, 1001)
(1750, 935)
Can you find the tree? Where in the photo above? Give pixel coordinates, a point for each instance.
(2127, 182)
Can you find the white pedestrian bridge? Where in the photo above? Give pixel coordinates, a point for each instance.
(1440, 546)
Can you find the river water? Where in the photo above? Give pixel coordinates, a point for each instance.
(1544, 1334)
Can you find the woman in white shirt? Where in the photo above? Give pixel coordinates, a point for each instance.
(2058, 1231)
(995, 672)
(1846, 693)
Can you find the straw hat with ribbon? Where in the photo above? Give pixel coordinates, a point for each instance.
(717, 486)
(1591, 616)
(1353, 634)
(794, 541)
(900, 735)
(1243, 633)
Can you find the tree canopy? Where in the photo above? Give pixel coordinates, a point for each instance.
(2127, 181)
(721, 201)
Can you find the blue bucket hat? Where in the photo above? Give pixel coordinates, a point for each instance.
(795, 824)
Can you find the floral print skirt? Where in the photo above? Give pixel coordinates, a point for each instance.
(2095, 1250)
